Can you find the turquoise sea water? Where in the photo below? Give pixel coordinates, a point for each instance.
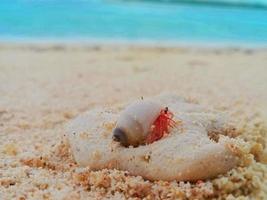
(149, 20)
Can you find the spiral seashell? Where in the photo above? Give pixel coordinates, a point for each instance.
(135, 122)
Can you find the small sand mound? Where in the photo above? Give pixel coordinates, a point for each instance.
(194, 150)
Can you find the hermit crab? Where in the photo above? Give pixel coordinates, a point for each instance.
(143, 122)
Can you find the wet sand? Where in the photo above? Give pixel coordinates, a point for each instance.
(42, 87)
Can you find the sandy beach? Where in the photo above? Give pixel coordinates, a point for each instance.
(44, 86)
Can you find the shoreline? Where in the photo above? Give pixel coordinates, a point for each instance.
(132, 43)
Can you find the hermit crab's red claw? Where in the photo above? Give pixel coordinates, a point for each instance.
(161, 126)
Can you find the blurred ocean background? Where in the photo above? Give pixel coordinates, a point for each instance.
(204, 21)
